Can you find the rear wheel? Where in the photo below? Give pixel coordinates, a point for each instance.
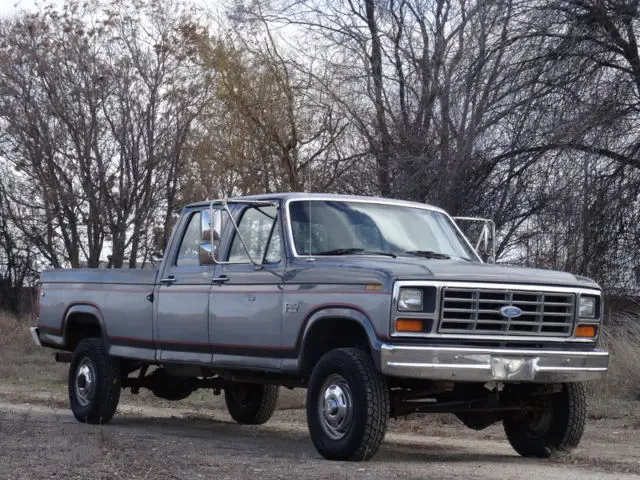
(94, 382)
(347, 405)
(555, 429)
(251, 403)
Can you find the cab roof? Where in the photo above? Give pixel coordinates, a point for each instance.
(284, 196)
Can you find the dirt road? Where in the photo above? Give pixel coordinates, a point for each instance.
(40, 441)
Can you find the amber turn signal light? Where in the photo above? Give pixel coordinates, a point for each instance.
(586, 331)
(409, 325)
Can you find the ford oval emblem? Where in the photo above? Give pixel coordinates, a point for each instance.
(510, 311)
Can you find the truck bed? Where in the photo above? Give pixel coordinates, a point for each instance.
(122, 301)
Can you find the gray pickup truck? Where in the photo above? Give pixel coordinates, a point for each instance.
(379, 308)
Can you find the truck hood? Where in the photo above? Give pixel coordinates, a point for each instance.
(415, 268)
(485, 272)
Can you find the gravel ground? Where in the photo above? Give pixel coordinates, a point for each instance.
(148, 439)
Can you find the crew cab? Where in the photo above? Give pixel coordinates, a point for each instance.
(379, 308)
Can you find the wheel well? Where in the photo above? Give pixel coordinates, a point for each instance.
(79, 326)
(328, 334)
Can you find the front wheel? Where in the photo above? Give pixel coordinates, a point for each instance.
(347, 405)
(557, 428)
(94, 382)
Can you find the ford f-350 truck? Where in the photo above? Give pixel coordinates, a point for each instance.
(379, 308)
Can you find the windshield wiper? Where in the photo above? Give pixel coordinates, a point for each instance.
(354, 251)
(428, 254)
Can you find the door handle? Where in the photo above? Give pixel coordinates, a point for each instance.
(170, 280)
(220, 280)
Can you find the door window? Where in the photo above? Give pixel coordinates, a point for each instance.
(261, 234)
(189, 252)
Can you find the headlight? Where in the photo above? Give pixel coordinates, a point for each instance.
(587, 307)
(410, 300)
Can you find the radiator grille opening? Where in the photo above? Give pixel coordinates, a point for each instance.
(478, 311)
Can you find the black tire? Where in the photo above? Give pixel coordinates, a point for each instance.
(96, 401)
(347, 376)
(557, 429)
(251, 403)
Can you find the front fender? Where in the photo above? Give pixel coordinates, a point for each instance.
(351, 313)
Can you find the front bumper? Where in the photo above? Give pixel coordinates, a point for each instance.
(497, 364)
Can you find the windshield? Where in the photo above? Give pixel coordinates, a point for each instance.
(324, 227)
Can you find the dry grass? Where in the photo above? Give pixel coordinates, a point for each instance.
(622, 340)
(24, 364)
(11, 329)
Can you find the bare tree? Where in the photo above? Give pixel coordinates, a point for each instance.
(18, 264)
(270, 124)
(97, 106)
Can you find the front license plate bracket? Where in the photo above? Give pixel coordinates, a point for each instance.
(513, 368)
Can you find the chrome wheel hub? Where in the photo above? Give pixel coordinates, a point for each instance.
(335, 407)
(85, 382)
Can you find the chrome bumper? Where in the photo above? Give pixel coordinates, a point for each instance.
(34, 335)
(487, 364)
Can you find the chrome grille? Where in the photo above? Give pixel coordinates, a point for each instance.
(477, 311)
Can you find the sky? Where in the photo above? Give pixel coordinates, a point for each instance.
(8, 7)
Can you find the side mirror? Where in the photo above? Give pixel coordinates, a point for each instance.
(216, 225)
(210, 226)
(206, 257)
